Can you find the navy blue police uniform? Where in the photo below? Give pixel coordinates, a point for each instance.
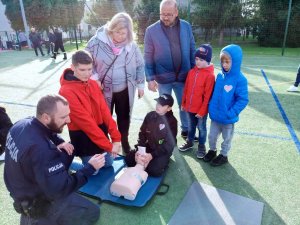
(36, 175)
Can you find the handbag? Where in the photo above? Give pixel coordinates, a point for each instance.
(108, 69)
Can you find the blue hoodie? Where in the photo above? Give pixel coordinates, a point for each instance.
(230, 95)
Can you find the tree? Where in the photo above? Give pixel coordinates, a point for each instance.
(273, 22)
(146, 13)
(45, 13)
(104, 10)
(214, 15)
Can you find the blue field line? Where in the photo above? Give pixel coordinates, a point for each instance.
(283, 114)
(263, 135)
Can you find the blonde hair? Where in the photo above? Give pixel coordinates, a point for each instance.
(120, 21)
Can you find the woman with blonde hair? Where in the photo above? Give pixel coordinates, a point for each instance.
(119, 69)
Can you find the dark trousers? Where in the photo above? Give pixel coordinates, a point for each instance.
(59, 46)
(120, 101)
(50, 47)
(156, 166)
(74, 210)
(38, 46)
(297, 78)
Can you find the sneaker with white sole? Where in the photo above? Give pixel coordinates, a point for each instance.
(186, 146)
(292, 89)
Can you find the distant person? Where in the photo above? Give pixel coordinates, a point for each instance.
(36, 40)
(294, 87)
(50, 42)
(198, 89)
(230, 97)
(36, 169)
(119, 69)
(5, 125)
(1, 44)
(92, 129)
(22, 39)
(169, 54)
(158, 135)
(58, 44)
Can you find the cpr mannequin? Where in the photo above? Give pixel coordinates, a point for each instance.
(129, 180)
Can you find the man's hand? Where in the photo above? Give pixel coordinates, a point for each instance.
(152, 86)
(68, 147)
(97, 161)
(140, 93)
(116, 148)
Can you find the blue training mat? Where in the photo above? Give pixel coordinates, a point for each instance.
(98, 186)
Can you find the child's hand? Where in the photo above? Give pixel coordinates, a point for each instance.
(198, 116)
(116, 148)
(68, 147)
(140, 93)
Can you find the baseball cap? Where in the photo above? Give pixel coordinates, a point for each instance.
(165, 99)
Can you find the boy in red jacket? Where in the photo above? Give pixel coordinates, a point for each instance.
(197, 92)
(92, 129)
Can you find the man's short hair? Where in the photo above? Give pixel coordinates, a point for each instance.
(82, 57)
(48, 104)
(168, 2)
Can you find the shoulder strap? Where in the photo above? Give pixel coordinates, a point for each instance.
(109, 68)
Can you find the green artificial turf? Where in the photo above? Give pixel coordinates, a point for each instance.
(264, 161)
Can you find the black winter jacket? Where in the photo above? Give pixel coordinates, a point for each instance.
(158, 134)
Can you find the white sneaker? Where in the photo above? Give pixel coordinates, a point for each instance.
(292, 88)
(2, 157)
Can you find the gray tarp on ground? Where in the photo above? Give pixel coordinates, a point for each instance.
(206, 205)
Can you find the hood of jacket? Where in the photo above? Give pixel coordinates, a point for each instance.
(68, 77)
(236, 54)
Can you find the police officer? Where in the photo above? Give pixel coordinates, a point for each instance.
(36, 169)
(58, 44)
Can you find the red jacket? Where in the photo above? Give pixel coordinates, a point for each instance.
(198, 90)
(88, 110)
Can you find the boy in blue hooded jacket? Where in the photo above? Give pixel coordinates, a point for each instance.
(230, 97)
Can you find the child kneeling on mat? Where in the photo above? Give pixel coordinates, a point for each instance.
(158, 135)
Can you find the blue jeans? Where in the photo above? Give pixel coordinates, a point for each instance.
(178, 90)
(77, 166)
(227, 131)
(200, 123)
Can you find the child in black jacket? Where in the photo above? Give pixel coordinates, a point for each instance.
(158, 134)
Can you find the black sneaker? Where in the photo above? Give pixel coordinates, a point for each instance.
(195, 139)
(219, 160)
(186, 146)
(184, 134)
(210, 156)
(201, 151)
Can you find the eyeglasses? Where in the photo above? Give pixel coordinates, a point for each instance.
(166, 15)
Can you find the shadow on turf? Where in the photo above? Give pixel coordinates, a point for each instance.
(54, 63)
(227, 178)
